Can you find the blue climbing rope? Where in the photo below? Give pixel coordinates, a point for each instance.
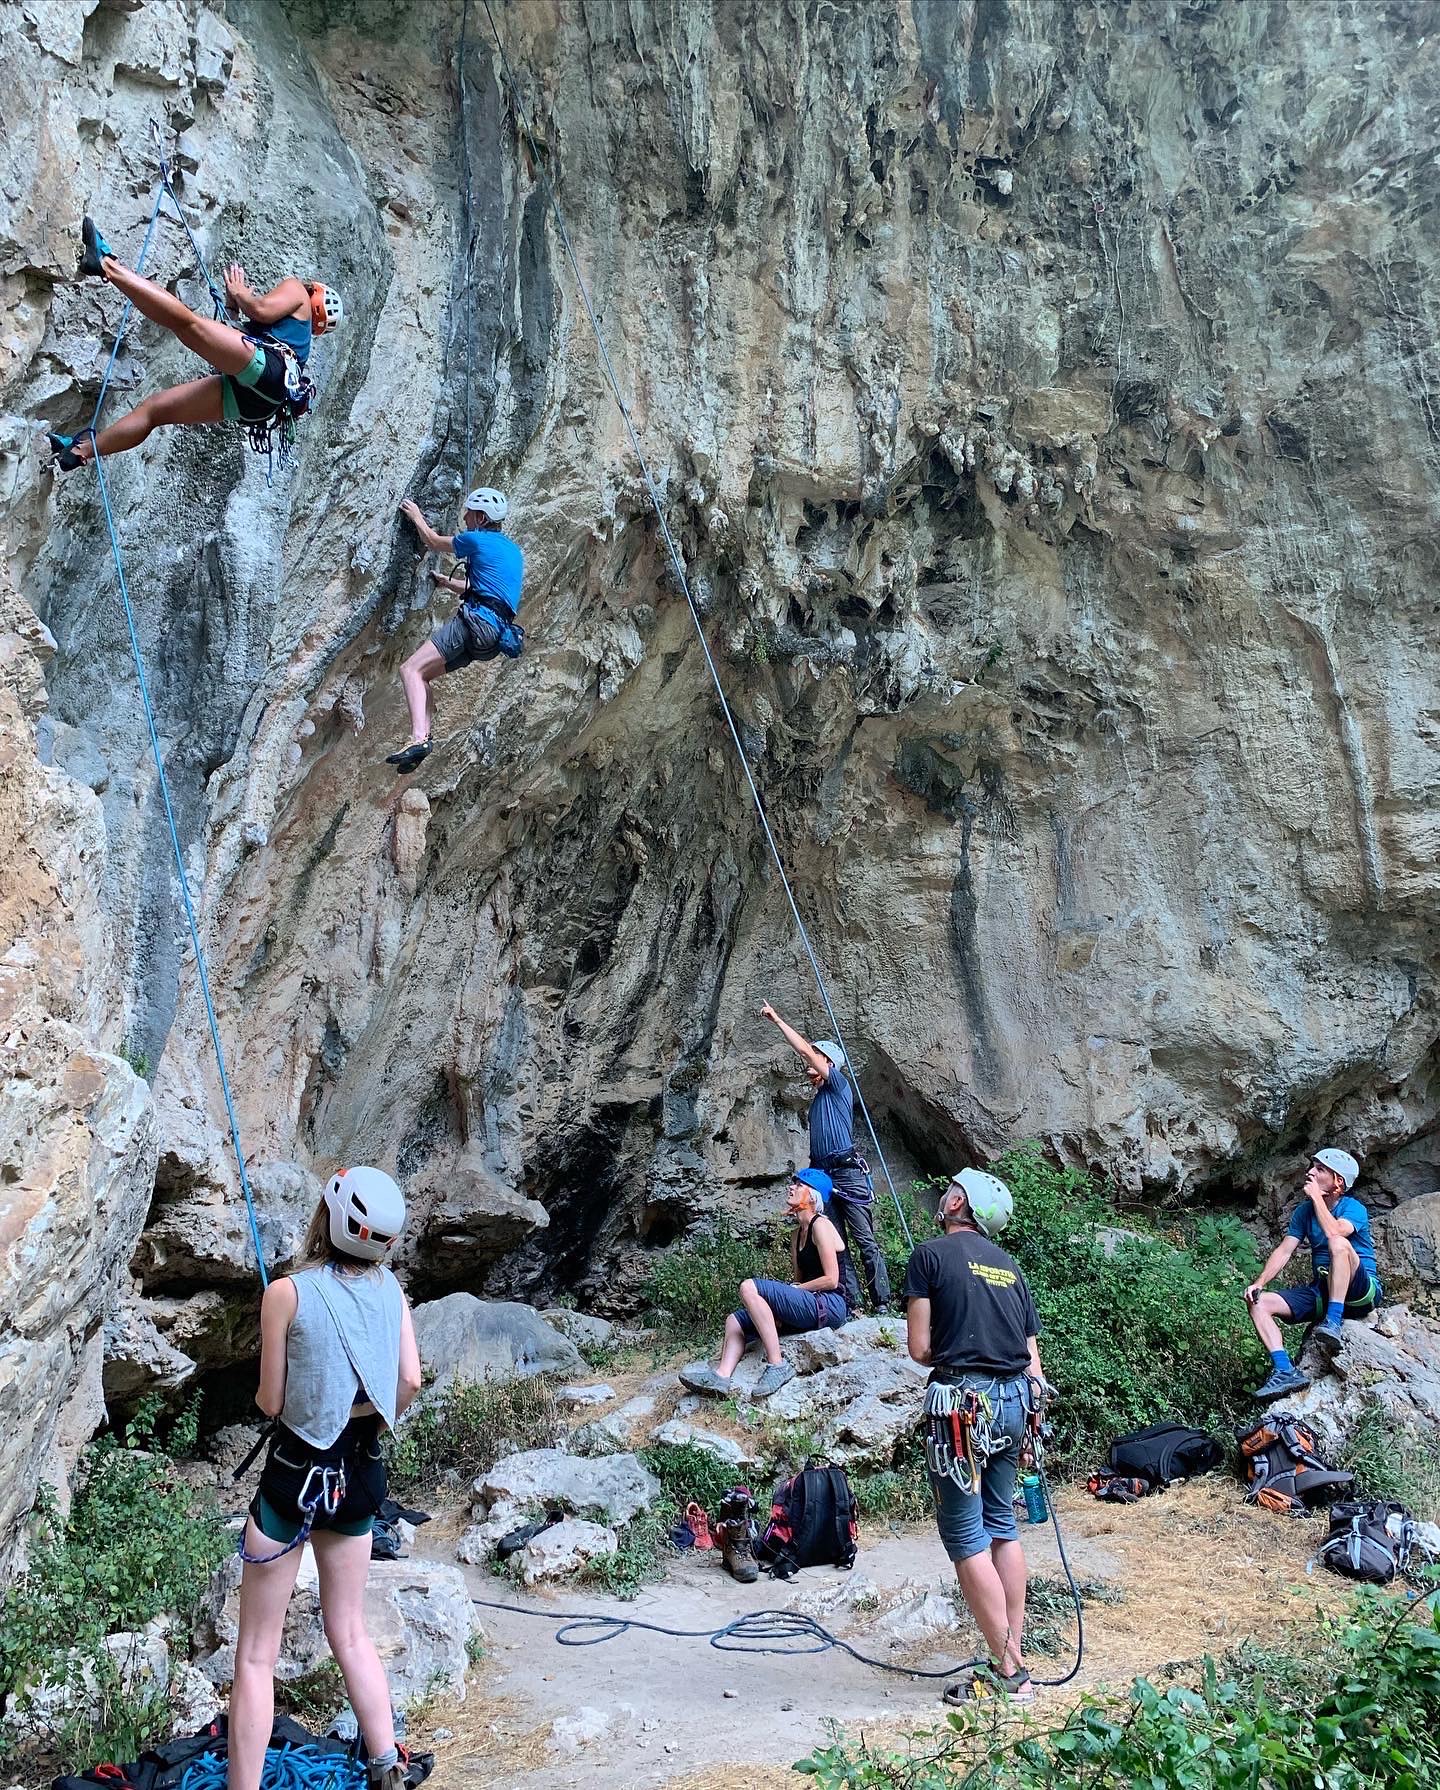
(92, 430)
(285, 1768)
(677, 566)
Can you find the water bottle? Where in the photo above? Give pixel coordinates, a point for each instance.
(1034, 1491)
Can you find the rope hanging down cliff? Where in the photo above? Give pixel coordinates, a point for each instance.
(92, 430)
(678, 568)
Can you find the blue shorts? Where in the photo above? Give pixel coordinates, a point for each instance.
(796, 1311)
(1306, 1303)
(969, 1521)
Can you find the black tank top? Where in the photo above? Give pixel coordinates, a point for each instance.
(808, 1265)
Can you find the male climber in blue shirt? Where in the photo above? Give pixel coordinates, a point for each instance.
(832, 1148)
(1342, 1260)
(481, 627)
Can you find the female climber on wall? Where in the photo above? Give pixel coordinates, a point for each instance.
(338, 1362)
(259, 372)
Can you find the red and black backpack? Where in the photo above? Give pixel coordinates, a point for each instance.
(814, 1521)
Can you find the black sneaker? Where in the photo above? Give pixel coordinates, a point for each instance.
(93, 254)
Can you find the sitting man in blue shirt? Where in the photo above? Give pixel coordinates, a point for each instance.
(1342, 1257)
(481, 627)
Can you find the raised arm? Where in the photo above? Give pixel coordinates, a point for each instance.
(433, 543)
(277, 1313)
(285, 300)
(814, 1059)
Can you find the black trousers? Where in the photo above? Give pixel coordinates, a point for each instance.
(853, 1216)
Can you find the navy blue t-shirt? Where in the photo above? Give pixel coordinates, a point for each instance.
(494, 565)
(832, 1119)
(1306, 1228)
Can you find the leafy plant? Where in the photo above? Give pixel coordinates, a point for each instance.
(314, 1696)
(1394, 1463)
(695, 1285)
(138, 1542)
(687, 1472)
(461, 1431)
(1354, 1706)
(1134, 1328)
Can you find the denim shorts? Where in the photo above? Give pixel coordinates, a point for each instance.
(1305, 1303)
(796, 1311)
(969, 1521)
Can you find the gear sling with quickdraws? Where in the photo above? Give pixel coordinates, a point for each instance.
(959, 1439)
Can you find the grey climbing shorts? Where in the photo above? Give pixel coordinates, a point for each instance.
(468, 638)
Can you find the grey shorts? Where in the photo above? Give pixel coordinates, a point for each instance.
(468, 638)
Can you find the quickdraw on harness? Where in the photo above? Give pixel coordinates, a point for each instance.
(960, 1435)
(328, 1495)
(274, 435)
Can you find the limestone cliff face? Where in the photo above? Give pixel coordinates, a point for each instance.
(1045, 399)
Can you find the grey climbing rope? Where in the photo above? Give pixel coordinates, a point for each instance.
(678, 568)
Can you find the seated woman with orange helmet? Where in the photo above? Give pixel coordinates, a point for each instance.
(259, 369)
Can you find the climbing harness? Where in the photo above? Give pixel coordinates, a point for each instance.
(677, 564)
(328, 1495)
(274, 435)
(92, 430)
(959, 1440)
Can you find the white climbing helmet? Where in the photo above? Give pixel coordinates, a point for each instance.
(367, 1213)
(327, 308)
(489, 502)
(829, 1048)
(992, 1205)
(1342, 1163)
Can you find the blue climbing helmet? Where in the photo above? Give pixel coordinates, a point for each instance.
(819, 1184)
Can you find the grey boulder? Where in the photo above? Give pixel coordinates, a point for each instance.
(471, 1340)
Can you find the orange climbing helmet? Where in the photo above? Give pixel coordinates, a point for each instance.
(327, 308)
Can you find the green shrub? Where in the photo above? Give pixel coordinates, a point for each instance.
(138, 1543)
(1389, 1462)
(1358, 1707)
(695, 1285)
(1156, 1329)
(461, 1431)
(687, 1472)
(917, 1198)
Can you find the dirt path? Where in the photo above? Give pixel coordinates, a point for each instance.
(1198, 1571)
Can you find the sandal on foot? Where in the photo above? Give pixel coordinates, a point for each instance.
(985, 1682)
(63, 448)
(411, 757)
(96, 248)
(699, 1525)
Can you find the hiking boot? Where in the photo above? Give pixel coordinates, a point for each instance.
(1280, 1383)
(1328, 1338)
(94, 252)
(735, 1531)
(776, 1375)
(701, 1377)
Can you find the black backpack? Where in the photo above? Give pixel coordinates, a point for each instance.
(1369, 1539)
(813, 1522)
(1160, 1454)
(1281, 1465)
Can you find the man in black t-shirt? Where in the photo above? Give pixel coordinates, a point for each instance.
(972, 1321)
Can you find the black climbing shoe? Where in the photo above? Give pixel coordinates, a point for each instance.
(63, 448)
(411, 758)
(96, 248)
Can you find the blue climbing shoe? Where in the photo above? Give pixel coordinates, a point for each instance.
(411, 758)
(96, 248)
(63, 448)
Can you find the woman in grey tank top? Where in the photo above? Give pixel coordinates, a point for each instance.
(338, 1363)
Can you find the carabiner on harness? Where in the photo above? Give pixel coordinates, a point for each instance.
(328, 1496)
(959, 1437)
